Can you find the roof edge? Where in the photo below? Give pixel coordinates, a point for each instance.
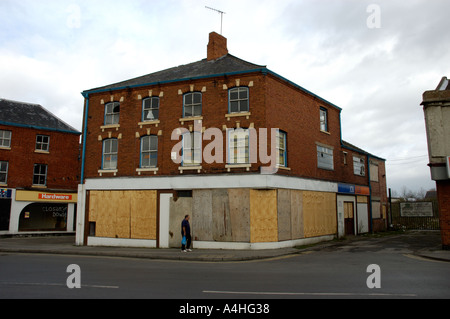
(354, 148)
(41, 128)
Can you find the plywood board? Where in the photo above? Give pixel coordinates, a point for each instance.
(297, 214)
(284, 214)
(221, 218)
(143, 214)
(263, 216)
(124, 214)
(319, 214)
(239, 203)
(201, 222)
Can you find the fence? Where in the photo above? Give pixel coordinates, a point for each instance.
(415, 215)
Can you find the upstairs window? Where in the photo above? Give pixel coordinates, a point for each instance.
(282, 149)
(238, 100)
(192, 149)
(5, 139)
(238, 146)
(112, 112)
(40, 175)
(109, 159)
(42, 143)
(325, 157)
(149, 151)
(323, 119)
(358, 166)
(3, 172)
(150, 109)
(192, 104)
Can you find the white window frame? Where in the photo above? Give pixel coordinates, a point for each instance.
(152, 150)
(323, 119)
(5, 139)
(282, 148)
(112, 115)
(40, 174)
(192, 149)
(238, 100)
(238, 146)
(42, 143)
(150, 106)
(108, 151)
(193, 106)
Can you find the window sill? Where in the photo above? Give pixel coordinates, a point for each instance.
(284, 168)
(190, 168)
(230, 166)
(190, 118)
(5, 148)
(325, 132)
(41, 152)
(38, 186)
(149, 169)
(230, 115)
(111, 126)
(107, 171)
(3, 185)
(155, 122)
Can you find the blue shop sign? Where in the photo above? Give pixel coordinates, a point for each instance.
(346, 188)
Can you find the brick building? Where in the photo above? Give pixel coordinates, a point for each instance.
(436, 107)
(39, 170)
(255, 159)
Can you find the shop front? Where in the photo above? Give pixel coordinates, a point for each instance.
(42, 212)
(353, 210)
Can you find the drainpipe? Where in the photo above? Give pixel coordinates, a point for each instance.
(83, 154)
(370, 194)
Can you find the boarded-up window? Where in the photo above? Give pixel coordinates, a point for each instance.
(373, 172)
(376, 209)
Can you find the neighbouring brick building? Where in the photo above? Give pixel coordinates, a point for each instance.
(39, 170)
(436, 107)
(192, 140)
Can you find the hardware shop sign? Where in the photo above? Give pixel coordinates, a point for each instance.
(416, 209)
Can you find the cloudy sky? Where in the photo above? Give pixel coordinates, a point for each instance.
(372, 58)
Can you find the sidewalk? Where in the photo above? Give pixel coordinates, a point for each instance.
(65, 245)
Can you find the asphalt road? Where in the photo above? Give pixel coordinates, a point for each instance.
(338, 272)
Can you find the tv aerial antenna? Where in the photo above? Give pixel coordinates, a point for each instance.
(221, 16)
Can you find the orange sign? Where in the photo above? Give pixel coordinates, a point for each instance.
(37, 196)
(63, 197)
(362, 190)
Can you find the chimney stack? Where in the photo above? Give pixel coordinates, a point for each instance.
(217, 46)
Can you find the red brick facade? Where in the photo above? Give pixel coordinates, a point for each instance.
(443, 190)
(61, 160)
(273, 104)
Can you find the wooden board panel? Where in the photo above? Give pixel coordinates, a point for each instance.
(119, 203)
(221, 229)
(297, 214)
(124, 214)
(284, 214)
(319, 214)
(263, 216)
(143, 214)
(239, 203)
(201, 221)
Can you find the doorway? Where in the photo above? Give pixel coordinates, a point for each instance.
(349, 218)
